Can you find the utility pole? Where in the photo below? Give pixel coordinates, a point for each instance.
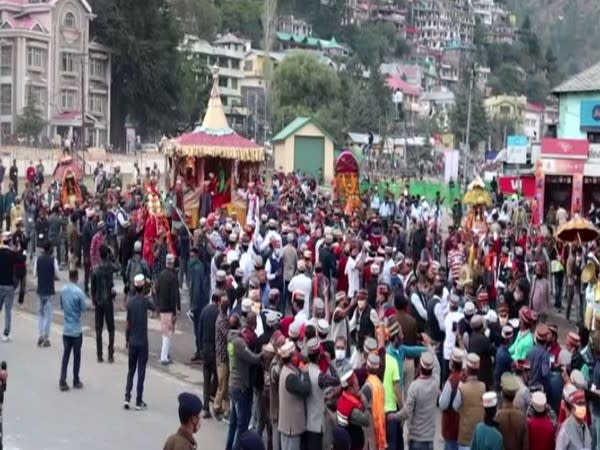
(468, 131)
(82, 137)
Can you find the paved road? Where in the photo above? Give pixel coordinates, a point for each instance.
(38, 416)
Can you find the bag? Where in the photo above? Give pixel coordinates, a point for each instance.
(556, 266)
(136, 267)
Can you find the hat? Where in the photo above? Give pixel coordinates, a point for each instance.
(346, 377)
(318, 303)
(247, 305)
(491, 317)
(298, 296)
(564, 357)
(502, 309)
(189, 405)
(370, 344)
(272, 317)
(553, 328)
(525, 314)
(509, 383)
(578, 379)
(294, 330)
(476, 321)
(274, 293)
(469, 309)
(577, 397)
(541, 332)
(373, 361)
(233, 237)
(426, 360)
(90, 212)
(313, 346)
(454, 300)
(340, 295)
(239, 272)
(251, 440)
(170, 259)
(307, 254)
(375, 269)
(272, 223)
(568, 391)
(137, 247)
(507, 332)
(472, 361)
(286, 350)
(362, 294)
(322, 326)
(301, 265)
(482, 297)
(457, 355)
(490, 400)
(539, 401)
(253, 283)
(139, 280)
(329, 238)
(221, 275)
(258, 262)
(573, 339)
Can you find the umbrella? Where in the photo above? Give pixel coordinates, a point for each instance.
(578, 229)
(477, 196)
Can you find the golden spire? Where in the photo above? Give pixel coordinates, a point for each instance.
(215, 114)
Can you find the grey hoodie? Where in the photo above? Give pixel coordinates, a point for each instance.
(240, 361)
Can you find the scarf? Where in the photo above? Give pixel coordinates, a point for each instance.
(377, 409)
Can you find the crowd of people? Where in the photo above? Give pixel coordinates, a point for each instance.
(321, 329)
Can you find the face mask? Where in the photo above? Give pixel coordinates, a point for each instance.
(340, 354)
(580, 412)
(362, 304)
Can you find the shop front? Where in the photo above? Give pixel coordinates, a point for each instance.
(559, 174)
(591, 179)
(522, 185)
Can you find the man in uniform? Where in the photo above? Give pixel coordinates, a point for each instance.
(190, 407)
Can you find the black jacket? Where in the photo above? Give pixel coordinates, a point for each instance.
(167, 291)
(207, 331)
(328, 261)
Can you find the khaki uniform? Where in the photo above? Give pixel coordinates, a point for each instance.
(182, 440)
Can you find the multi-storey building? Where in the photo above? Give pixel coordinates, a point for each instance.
(48, 58)
(293, 25)
(435, 23)
(228, 53)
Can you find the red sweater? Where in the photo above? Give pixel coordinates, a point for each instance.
(541, 433)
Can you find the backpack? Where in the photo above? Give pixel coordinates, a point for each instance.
(136, 267)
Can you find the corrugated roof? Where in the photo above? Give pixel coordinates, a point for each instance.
(586, 81)
(295, 125)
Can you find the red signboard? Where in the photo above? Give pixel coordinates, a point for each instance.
(561, 166)
(513, 185)
(565, 148)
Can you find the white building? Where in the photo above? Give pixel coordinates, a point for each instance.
(438, 104)
(228, 53)
(533, 122)
(293, 25)
(47, 55)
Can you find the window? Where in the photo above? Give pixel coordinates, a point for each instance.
(6, 129)
(248, 66)
(67, 100)
(222, 82)
(69, 20)
(97, 103)
(6, 56)
(5, 99)
(98, 68)
(36, 57)
(68, 62)
(234, 83)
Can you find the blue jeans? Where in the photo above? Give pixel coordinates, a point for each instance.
(451, 445)
(7, 297)
(45, 315)
(239, 416)
(137, 360)
(394, 436)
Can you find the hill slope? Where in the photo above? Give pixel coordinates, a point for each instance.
(569, 27)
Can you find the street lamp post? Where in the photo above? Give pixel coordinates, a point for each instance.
(468, 130)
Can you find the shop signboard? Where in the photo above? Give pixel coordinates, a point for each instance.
(516, 149)
(565, 148)
(524, 185)
(562, 166)
(590, 115)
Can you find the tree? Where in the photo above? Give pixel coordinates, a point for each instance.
(304, 86)
(199, 17)
(31, 122)
(244, 17)
(143, 36)
(479, 120)
(195, 83)
(537, 88)
(508, 79)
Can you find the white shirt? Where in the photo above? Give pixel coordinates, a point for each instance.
(385, 273)
(301, 283)
(353, 276)
(450, 339)
(415, 300)
(276, 256)
(247, 265)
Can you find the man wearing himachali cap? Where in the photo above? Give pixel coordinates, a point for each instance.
(486, 435)
(467, 402)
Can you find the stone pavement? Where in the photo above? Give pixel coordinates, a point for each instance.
(37, 415)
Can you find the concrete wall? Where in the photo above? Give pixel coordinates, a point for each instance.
(284, 152)
(569, 114)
